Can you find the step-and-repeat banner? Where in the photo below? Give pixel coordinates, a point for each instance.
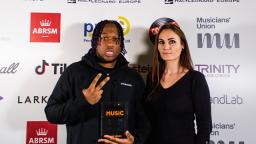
(40, 38)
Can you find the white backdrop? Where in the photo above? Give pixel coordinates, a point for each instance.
(221, 35)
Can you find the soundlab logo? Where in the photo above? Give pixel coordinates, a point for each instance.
(217, 70)
(58, 68)
(227, 100)
(89, 27)
(45, 27)
(218, 40)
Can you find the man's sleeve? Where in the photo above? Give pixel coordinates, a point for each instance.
(63, 106)
(142, 123)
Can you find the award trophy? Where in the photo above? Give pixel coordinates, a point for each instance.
(114, 119)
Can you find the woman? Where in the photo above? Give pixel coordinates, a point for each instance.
(176, 94)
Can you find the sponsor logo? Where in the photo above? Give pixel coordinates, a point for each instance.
(200, 1)
(11, 69)
(129, 1)
(219, 127)
(32, 100)
(106, 1)
(89, 27)
(58, 68)
(227, 99)
(226, 142)
(34, 0)
(41, 132)
(225, 126)
(211, 22)
(156, 25)
(45, 27)
(217, 70)
(142, 69)
(228, 1)
(218, 40)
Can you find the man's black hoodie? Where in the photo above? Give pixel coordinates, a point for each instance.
(67, 104)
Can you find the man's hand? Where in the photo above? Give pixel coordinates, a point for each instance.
(114, 140)
(93, 93)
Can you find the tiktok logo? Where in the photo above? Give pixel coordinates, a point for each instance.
(41, 68)
(57, 68)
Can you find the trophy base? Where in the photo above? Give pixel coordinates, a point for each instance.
(114, 119)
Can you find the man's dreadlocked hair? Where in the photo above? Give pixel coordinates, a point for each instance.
(98, 30)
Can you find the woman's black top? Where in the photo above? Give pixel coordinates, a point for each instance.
(172, 111)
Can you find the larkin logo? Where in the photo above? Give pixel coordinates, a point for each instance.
(45, 27)
(39, 132)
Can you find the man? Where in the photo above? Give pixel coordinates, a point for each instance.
(101, 75)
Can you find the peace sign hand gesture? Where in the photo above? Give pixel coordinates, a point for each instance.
(93, 93)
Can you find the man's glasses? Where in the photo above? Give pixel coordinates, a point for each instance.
(106, 39)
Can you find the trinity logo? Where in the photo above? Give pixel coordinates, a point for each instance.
(45, 27)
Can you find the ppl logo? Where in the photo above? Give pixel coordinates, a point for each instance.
(1, 98)
(45, 27)
(58, 68)
(89, 27)
(226, 40)
(227, 99)
(39, 132)
(156, 25)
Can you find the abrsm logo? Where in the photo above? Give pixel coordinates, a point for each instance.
(39, 132)
(45, 27)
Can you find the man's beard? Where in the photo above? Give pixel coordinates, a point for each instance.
(100, 59)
